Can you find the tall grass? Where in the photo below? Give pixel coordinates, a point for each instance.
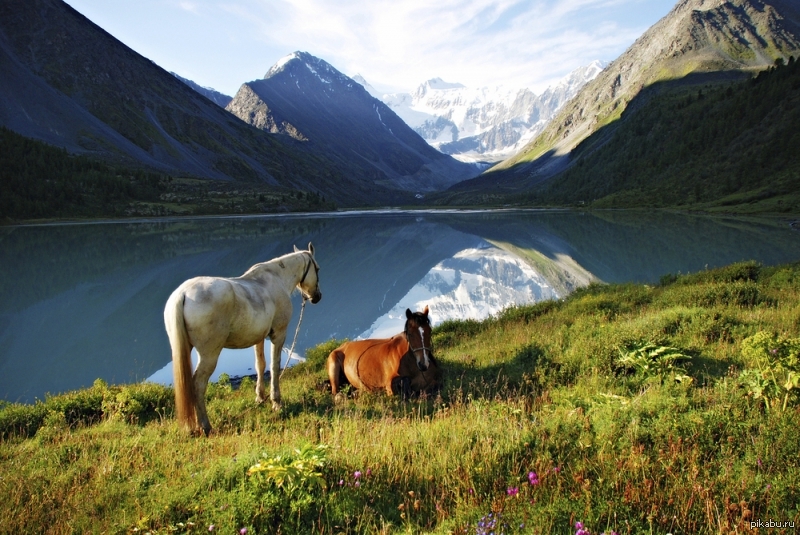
(625, 408)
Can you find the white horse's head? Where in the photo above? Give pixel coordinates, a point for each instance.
(309, 283)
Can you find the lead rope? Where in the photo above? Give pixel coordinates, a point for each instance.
(297, 330)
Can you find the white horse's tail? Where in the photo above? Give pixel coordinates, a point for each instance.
(181, 361)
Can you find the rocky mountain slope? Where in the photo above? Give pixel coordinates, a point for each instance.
(485, 124)
(697, 42)
(305, 98)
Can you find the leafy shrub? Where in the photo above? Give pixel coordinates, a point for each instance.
(776, 378)
(451, 332)
(317, 356)
(650, 360)
(135, 403)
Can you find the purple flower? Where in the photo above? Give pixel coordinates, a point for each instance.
(243, 531)
(369, 472)
(533, 479)
(358, 483)
(212, 527)
(578, 525)
(357, 474)
(341, 482)
(512, 491)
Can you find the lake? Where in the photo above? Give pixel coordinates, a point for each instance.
(85, 301)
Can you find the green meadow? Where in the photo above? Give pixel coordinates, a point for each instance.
(668, 408)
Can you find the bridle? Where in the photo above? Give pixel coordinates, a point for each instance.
(308, 267)
(413, 350)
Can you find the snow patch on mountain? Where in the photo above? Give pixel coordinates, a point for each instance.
(482, 124)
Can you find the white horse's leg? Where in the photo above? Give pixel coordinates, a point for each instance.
(261, 365)
(277, 339)
(205, 367)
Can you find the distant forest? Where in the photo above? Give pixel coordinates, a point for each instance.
(38, 180)
(720, 144)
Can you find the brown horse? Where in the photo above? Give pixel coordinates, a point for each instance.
(404, 362)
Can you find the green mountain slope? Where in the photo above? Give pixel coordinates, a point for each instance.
(708, 147)
(698, 42)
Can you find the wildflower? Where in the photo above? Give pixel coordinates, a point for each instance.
(533, 479)
(341, 482)
(580, 530)
(243, 531)
(369, 472)
(758, 462)
(212, 527)
(512, 491)
(357, 483)
(357, 474)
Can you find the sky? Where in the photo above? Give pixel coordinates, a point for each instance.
(394, 44)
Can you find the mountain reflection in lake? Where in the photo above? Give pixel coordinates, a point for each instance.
(80, 302)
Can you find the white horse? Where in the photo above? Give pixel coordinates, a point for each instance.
(209, 313)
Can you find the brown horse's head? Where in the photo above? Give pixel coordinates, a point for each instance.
(418, 334)
(309, 284)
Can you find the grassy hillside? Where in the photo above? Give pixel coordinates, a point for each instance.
(697, 147)
(627, 408)
(41, 181)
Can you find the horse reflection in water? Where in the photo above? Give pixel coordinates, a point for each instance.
(211, 313)
(404, 362)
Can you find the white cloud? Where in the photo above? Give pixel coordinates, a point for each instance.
(188, 6)
(394, 44)
(475, 42)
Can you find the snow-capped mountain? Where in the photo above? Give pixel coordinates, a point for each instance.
(483, 124)
(382, 158)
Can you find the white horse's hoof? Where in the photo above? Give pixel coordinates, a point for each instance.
(276, 405)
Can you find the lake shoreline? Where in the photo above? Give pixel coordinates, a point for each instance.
(793, 220)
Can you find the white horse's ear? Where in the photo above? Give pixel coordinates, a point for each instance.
(296, 250)
(311, 248)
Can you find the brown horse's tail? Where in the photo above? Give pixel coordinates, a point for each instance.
(181, 361)
(336, 369)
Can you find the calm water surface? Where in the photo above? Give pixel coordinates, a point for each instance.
(80, 302)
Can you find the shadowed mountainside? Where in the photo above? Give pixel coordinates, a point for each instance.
(67, 82)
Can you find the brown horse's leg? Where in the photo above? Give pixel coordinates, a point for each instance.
(261, 365)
